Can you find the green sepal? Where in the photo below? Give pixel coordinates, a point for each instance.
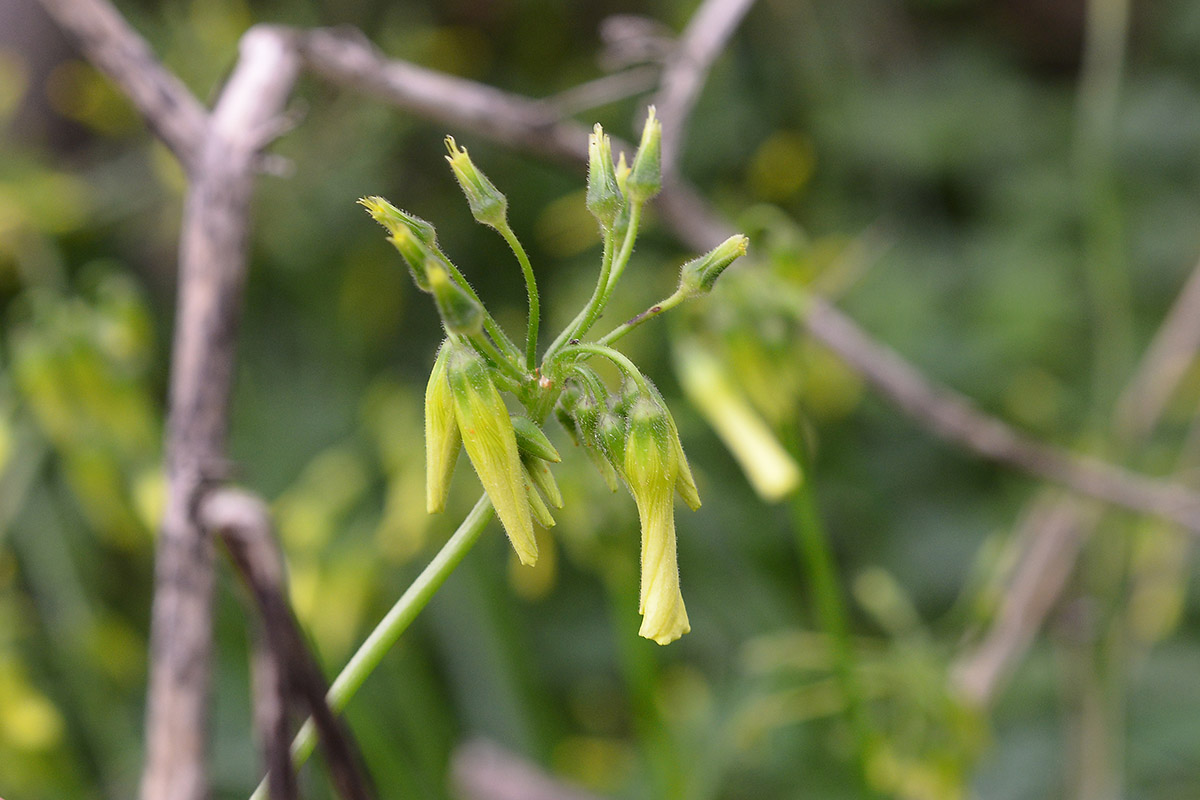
(532, 440)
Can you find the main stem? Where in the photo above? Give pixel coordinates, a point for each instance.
(531, 335)
(817, 555)
(388, 631)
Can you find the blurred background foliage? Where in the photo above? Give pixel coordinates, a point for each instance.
(932, 163)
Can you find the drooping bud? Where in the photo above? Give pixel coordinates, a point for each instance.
(488, 437)
(771, 471)
(651, 468)
(587, 412)
(685, 482)
(610, 437)
(543, 479)
(698, 275)
(537, 505)
(532, 441)
(415, 238)
(460, 312)
(604, 198)
(442, 439)
(488, 205)
(645, 177)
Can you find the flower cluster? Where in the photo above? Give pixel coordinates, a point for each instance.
(628, 432)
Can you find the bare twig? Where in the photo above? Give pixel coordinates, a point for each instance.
(212, 272)
(1163, 366)
(480, 770)
(953, 417)
(604, 90)
(687, 69)
(114, 47)
(244, 523)
(1049, 551)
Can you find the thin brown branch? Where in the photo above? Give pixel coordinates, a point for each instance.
(115, 48)
(212, 272)
(951, 416)
(605, 90)
(687, 69)
(244, 524)
(1166, 361)
(1050, 550)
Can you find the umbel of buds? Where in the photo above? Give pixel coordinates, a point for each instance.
(627, 431)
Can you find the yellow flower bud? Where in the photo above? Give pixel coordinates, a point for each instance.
(442, 440)
(488, 205)
(651, 469)
(771, 471)
(488, 438)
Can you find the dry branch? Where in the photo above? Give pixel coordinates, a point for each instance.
(1050, 542)
(212, 266)
(116, 49)
(289, 668)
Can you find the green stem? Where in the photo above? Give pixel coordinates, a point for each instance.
(388, 631)
(622, 259)
(531, 335)
(817, 555)
(615, 356)
(593, 304)
(650, 313)
(485, 348)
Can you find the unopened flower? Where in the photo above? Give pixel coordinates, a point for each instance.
(645, 177)
(651, 469)
(442, 440)
(488, 205)
(604, 198)
(698, 275)
(460, 312)
(771, 471)
(488, 437)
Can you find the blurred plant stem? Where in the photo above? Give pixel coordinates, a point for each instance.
(388, 631)
(1105, 262)
(1098, 669)
(816, 553)
(641, 681)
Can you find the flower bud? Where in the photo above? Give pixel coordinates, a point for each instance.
(645, 177)
(442, 440)
(532, 441)
(771, 471)
(543, 479)
(537, 505)
(415, 238)
(698, 275)
(604, 199)
(610, 437)
(651, 469)
(567, 421)
(396, 220)
(460, 312)
(488, 437)
(587, 412)
(685, 483)
(488, 205)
